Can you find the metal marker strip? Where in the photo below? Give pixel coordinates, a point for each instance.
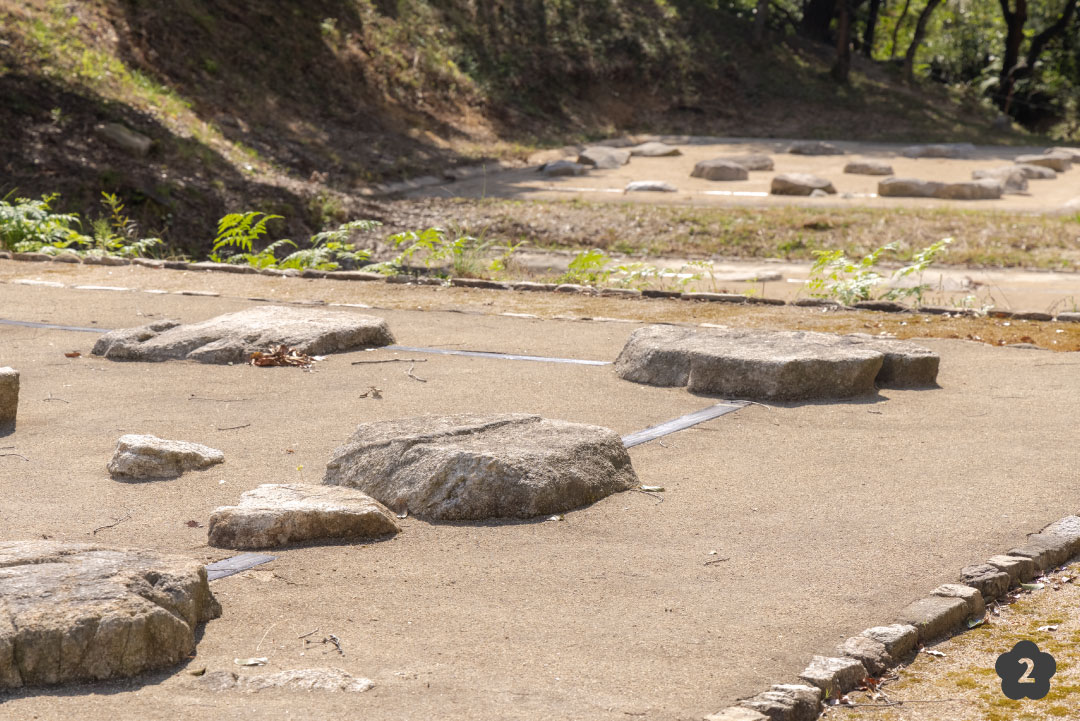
(681, 423)
(490, 354)
(236, 564)
(51, 326)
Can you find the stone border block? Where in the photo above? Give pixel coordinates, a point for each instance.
(737, 713)
(1021, 569)
(971, 596)
(834, 676)
(1046, 550)
(869, 651)
(991, 581)
(899, 639)
(9, 398)
(787, 702)
(934, 616)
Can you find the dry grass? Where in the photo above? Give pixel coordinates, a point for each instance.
(963, 686)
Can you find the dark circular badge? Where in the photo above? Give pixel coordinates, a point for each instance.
(1025, 671)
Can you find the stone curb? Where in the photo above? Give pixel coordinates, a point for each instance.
(482, 283)
(948, 608)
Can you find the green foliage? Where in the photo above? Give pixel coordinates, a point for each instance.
(833, 275)
(588, 266)
(30, 225)
(241, 230)
(117, 234)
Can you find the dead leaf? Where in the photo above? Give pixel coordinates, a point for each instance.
(198, 671)
(283, 355)
(73, 354)
(932, 652)
(257, 661)
(193, 524)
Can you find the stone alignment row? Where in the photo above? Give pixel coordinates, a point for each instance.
(521, 286)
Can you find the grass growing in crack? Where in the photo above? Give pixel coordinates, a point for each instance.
(835, 276)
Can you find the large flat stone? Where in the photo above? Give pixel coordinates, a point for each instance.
(719, 169)
(1036, 172)
(939, 150)
(934, 616)
(82, 612)
(654, 149)
(751, 161)
(1059, 162)
(777, 365)
(274, 515)
(233, 337)
(143, 457)
(471, 467)
(799, 184)
(1012, 177)
(813, 147)
(603, 157)
(908, 188)
(868, 167)
(332, 680)
(9, 398)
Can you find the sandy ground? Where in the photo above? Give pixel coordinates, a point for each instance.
(608, 185)
(825, 518)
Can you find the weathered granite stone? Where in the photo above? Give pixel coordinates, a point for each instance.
(654, 149)
(716, 297)
(650, 186)
(782, 365)
(9, 398)
(884, 306)
(813, 147)
(934, 616)
(603, 157)
(1074, 153)
(223, 268)
(1068, 317)
(868, 167)
(787, 702)
(719, 169)
(834, 676)
(334, 680)
(816, 303)
(1047, 550)
(657, 293)
(799, 184)
(988, 189)
(1032, 315)
(139, 458)
(1036, 172)
(125, 138)
(971, 596)
(1020, 568)
(1059, 162)
(908, 188)
(1012, 177)
(1069, 527)
(939, 150)
(529, 285)
(81, 612)
(479, 283)
(361, 275)
(233, 337)
(471, 467)
(899, 639)
(737, 713)
(991, 581)
(564, 167)
(869, 651)
(276, 515)
(574, 288)
(751, 161)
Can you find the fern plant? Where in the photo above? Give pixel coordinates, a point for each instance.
(240, 230)
(31, 225)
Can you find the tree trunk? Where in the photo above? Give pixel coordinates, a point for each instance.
(916, 40)
(1039, 42)
(871, 27)
(896, 29)
(842, 68)
(761, 20)
(816, 18)
(1014, 37)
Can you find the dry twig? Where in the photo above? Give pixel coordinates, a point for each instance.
(414, 376)
(390, 360)
(116, 522)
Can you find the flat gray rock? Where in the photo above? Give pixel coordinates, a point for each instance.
(868, 167)
(813, 147)
(869, 651)
(989, 580)
(1012, 177)
(471, 467)
(563, 168)
(1059, 162)
(899, 639)
(9, 398)
(650, 186)
(275, 515)
(144, 457)
(799, 184)
(604, 157)
(719, 169)
(787, 702)
(654, 150)
(908, 188)
(986, 189)
(1036, 172)
(333, 680)
(125, 138)
(772, 365)
(834, 676)
(233, 337)
(74, 612)
(751, 161)
(934, 616)
(939, 150)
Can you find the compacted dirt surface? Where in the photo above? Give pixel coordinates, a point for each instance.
(782, 529)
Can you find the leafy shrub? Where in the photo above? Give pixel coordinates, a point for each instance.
(30, 225)
(833, 275)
